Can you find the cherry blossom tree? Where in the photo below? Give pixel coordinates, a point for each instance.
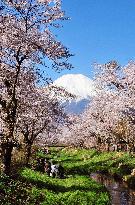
(113, 103)
(40, 115)
(26, 42)
(115, 98)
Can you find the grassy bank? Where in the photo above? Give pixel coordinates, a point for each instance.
(117, 164)
(87, 161)
(77, 188)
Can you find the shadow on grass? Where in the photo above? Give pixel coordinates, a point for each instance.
(71, 160)
(87, 167)
(61, 188)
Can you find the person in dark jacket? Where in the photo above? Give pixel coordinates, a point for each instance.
(47, 167)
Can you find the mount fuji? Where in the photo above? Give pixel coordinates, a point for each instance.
(81, 87)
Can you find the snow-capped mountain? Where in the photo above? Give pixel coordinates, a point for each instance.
(80, 86)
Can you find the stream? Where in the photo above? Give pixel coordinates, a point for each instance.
(120, 193)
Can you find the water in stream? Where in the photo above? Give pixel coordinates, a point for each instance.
(120, 193)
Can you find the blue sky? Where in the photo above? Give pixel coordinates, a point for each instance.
(99, 31)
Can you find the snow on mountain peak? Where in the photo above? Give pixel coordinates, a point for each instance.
(77, 84)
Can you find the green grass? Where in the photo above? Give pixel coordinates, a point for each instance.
(86, 161)
(77, 188)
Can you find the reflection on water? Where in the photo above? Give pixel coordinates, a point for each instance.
(120, 193)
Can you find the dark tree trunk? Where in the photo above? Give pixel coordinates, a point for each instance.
(6, 149)
(28, 152)
(9, 108)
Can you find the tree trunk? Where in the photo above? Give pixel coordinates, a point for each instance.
(6, 149)
(28, 152)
